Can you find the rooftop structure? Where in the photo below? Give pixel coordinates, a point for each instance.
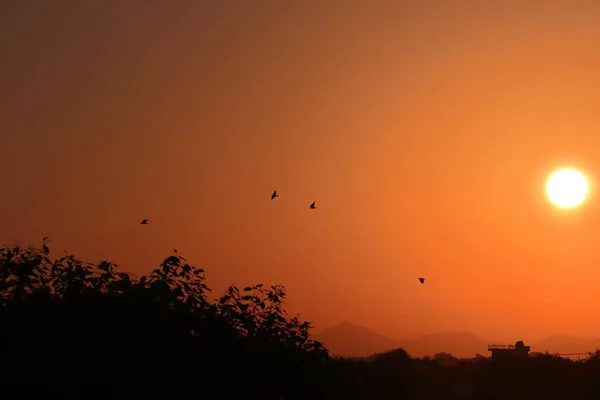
(517, 350)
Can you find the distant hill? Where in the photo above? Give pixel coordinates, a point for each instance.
(565, 344)
(349, 340)
(459, 344)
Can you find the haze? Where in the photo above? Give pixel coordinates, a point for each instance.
(423, 130)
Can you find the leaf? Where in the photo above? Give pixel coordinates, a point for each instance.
(246, 297)
(247, 289)
(225, 298)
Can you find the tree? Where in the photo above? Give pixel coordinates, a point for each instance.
(443, 356)
(65, 320)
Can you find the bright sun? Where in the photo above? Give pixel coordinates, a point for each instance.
(567, 188)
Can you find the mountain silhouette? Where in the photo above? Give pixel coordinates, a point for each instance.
(459, 344)
(350, 340)
(565, 344)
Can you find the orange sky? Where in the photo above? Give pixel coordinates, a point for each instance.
(423, 130)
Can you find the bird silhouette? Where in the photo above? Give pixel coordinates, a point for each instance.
(144, 222)
(313, 205)
(422, 280)
(274, 195)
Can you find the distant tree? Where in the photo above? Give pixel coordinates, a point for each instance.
(594, 356)
(389, 375)
(442, 356)
(392, 357)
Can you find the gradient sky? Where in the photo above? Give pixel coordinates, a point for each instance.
(423, 130)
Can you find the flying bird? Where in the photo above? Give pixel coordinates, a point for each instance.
(422, 280)
(313, 205)
(144, 222)
(274, 195)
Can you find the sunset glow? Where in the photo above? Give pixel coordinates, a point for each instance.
(567, 188)
(432, 139)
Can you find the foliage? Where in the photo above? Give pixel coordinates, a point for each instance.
(443, 356)
(81, 307)
(85, 330)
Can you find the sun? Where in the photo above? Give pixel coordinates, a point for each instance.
(567, 188)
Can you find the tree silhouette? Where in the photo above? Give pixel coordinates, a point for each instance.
(65, 320)
(70, 329)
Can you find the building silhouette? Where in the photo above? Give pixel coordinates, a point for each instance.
(517, 350)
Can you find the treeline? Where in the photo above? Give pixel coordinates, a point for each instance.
(70, 329)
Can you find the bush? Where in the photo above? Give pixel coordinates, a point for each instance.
(67, 321)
